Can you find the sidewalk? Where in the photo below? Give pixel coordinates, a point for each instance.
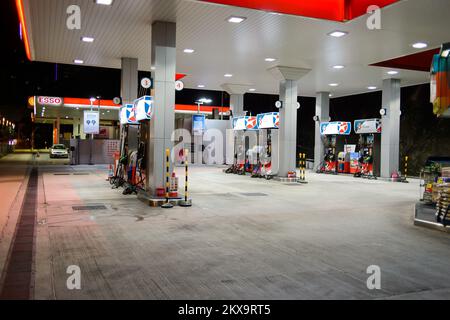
(13, 182)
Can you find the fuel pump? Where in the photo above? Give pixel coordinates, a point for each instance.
(269, 124)
(334, 138)
(369, 131)
(245, 138)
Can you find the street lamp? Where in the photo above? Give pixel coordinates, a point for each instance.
(201, 102)
(92, 102)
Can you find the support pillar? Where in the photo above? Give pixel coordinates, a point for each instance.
(76, 127)
(390, 136)
(323, 114)
(288, 127)
(288, 77)
(236, 92)
(129, 80)
(237, 104)
(56, 130)
(163, 123)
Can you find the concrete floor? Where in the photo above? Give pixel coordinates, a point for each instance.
(243, 239)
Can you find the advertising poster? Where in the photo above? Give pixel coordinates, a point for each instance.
(91, 122)
(198, 124)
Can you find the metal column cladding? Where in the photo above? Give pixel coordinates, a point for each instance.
(163, 123)
(390, 136)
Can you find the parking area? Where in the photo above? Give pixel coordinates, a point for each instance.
(242, 239)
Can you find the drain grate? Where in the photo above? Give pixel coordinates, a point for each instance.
(89, 208)
(61, 174)
(256, 194)
(81, 174)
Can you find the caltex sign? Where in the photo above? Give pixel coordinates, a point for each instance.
(144, 108)
(336, 128)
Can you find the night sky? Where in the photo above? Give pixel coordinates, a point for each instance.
(422, 134)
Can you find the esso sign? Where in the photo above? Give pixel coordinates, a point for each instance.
(50, 101)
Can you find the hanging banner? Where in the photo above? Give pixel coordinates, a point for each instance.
(440, 82)
(335, 128)
(91, 122)
(198, 124)
(368, 126)
(128, 115)
(143, 108)
(269, 120)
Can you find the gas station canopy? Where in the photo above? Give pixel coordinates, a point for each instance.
(269, 33)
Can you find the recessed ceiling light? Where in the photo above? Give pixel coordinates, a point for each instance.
(333, 84)
(392, 72)
(78, 61)
(338, 67)
(372, 88)
(228, 75)
(87, 39)
(330, 95)
(270, 59)
(252, 90)
(234, 19)
(338, 34)
(201, 86)
(152, 68)
(104, 2)
(189, 50)
(420, 45)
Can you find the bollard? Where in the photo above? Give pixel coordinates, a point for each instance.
(406, 169)
(167, 205)
(302, 168)
(186, 202)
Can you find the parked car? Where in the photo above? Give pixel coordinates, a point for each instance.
(59, 151)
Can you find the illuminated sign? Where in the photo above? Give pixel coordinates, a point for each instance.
(91, 122)
(179, 85)
(269, 120)
(335, 128)
(245, 123)
(146, 83)
(50, 101)
(368, 126)
(198, 124)
(144, 108)
(128, 115)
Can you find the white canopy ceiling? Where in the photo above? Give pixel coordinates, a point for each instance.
(124, 30)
